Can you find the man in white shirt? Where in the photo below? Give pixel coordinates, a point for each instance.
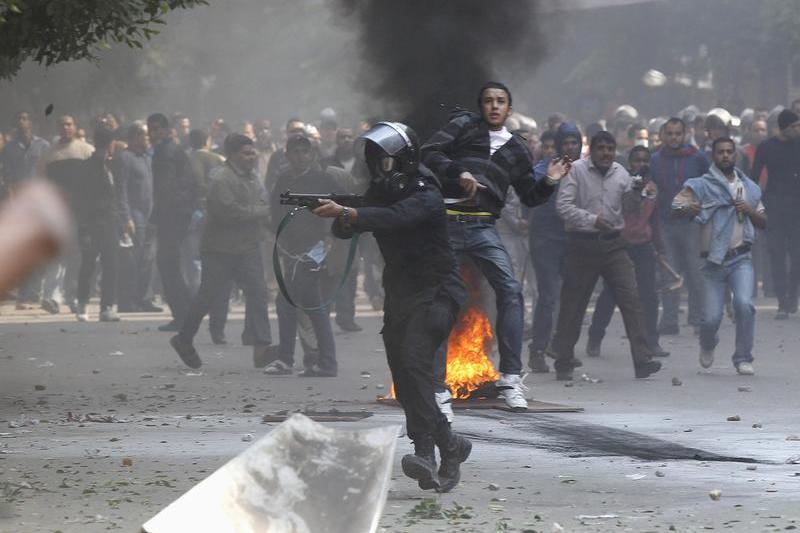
(728, 205)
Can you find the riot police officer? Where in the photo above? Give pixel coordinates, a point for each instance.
(405, 211)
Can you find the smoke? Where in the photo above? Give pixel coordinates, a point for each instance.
(420, 53)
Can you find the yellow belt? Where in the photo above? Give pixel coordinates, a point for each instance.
(469, 214)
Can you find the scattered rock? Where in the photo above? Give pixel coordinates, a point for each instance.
(757, 425)
(122, 397)
(557, 528)
(493, 486)
(659, 473)
(116, 354)
(734, 418)
(752, 467)
(715, 494)
(793, 460)
(380, 386)
(39, 387)
(676, 382)
(745, 389)
(247, 437)
(127, 461)
(793, 438)
(569, 384)
(365, 374)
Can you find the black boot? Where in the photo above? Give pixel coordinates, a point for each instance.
(453, 450)
(538, 363)
(186, 352)
(422, 464)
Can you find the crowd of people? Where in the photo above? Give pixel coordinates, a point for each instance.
(696, 203)
(188, 216)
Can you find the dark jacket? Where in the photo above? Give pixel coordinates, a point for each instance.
(412, 236)
(237, 212)
(133, 177)
(174, 189)
(463, 145)
(782, 161)
(89, 187)
(306, 230)
(544, 222)
(670, 171)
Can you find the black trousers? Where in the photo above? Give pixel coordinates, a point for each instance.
(411, 344)
(136, 266)
(585, 262)
(644, 263)
(99, 239)
(168, 258)
(345, 304)
(218, 272)
(783, 240)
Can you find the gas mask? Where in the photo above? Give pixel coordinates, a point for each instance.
(391, 154)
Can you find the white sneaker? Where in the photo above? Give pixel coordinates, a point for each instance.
(445, 402)
(706, 358)
(81, 313)
(513, 390)
(745, 369)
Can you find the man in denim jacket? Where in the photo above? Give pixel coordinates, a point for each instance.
(728, 206)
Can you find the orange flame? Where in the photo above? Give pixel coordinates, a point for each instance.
(468, 363)
(469, 346)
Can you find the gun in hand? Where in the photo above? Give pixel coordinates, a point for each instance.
(311, 200)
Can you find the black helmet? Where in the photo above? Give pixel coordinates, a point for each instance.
(391, 153)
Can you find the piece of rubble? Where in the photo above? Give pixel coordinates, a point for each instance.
(493, 486)
(752, 467)
(39, 387)
(659, 473)
(793, 438)
(734, 418)
(715, 494)
(676, 382)
(127, 461)
(757, 425)
(116, 354)
(247, 437)
(745, 389)
(365, 374)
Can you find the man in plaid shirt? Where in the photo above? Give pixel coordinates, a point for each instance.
(477, 159)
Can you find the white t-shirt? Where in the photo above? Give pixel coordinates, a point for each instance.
(497, 139)
(737, 236)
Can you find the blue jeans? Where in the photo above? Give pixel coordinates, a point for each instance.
(547, 257)
(480, 242)
(736, 274)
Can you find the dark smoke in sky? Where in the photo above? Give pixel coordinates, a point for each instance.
(419, 53)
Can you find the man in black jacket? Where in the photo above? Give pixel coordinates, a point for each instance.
(97, 214)
(174, 201)
(133, 178)
(423, 291)
(477, 159)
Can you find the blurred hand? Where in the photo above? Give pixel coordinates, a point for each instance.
(742, 207)
(558, 168)
(328, 209)
(470, 185)
(602, 224)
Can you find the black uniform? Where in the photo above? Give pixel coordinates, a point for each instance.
(423, 294)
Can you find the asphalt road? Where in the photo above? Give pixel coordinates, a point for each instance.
(101, 427)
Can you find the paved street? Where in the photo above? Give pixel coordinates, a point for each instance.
(101, 427)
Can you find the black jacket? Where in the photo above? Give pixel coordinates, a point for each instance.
(463, 145)
(412, 236)
(89, 187)
(174, 189)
